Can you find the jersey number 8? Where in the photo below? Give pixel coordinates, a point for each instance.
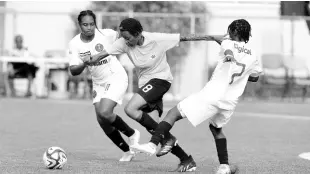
(147, 88)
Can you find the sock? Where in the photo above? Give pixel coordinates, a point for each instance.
(161, 132)
(179, 152)
(120, 125)
(118, 140)
(148, 122)
(221, 147)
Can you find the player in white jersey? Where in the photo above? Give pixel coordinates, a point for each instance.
(147, 51)
(217, 100)
(110, 80)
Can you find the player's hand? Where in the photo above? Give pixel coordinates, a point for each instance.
(90, 61)
(229, 59)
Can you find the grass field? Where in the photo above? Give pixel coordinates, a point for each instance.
(262, 138)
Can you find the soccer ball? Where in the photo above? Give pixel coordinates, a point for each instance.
(54, 158)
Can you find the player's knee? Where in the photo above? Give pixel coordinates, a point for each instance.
(106, 114)
(130, 110)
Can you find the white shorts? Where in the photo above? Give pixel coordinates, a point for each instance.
(114, 88)
(197, 109)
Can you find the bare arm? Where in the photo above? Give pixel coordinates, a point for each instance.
(77, 69)
(97, 57)
(217, 38)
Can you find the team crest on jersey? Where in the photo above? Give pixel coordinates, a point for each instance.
(99, 47)
(94, 94)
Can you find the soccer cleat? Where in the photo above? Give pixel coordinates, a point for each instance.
(225, 169)
(127, 156)
(148, 148)
(167, 145)
(187, 165)
(134, 139)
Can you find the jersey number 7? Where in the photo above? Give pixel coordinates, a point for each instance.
(237, 74)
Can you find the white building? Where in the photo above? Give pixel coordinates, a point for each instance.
(44, 25)
(49, 26)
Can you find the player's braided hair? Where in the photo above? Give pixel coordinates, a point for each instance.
(87, 13)
(242, 29)
(133, 26)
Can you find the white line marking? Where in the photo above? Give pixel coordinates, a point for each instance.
(265, 115)
(305, 155)
(274, 116)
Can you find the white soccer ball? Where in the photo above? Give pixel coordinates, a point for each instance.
(54, 158)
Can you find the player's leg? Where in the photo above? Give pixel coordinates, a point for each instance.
(116, 138)
(104, 110)
(135, 108)
(149, 98)
(221, 147)
(161, 131)
(216, 126)
(106, 97)
(168, 142)
(187, 162)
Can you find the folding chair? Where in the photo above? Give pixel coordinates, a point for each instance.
(275, 74)
(299, 74)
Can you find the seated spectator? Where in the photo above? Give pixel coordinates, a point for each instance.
(20, 69)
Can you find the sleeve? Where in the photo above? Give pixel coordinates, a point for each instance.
(74, 55)
(167, 40)
(117, 48)
(226, 45)
(257, 68)
(226, 49)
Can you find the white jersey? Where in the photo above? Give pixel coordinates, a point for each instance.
(229, 79)
(106, 67)
(150, 58)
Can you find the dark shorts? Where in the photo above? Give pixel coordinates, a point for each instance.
(153, 92)
(23, 70)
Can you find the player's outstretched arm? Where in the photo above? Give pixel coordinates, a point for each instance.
(97, 57)
(203, 38)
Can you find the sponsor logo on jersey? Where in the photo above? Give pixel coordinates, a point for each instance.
(242, 49)
(99, 47)
(104, 61)
(84, 56)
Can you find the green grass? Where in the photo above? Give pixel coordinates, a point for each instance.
(255, 144)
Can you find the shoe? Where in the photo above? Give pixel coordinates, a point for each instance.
(127, 156)
(187, 165)
(148, 148)
(167, 145)
(225, 169)
(134, 139)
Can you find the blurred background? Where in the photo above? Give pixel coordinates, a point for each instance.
(35, 35)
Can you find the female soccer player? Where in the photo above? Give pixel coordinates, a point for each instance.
(109, 78)
(147, 51)
(237, 65)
